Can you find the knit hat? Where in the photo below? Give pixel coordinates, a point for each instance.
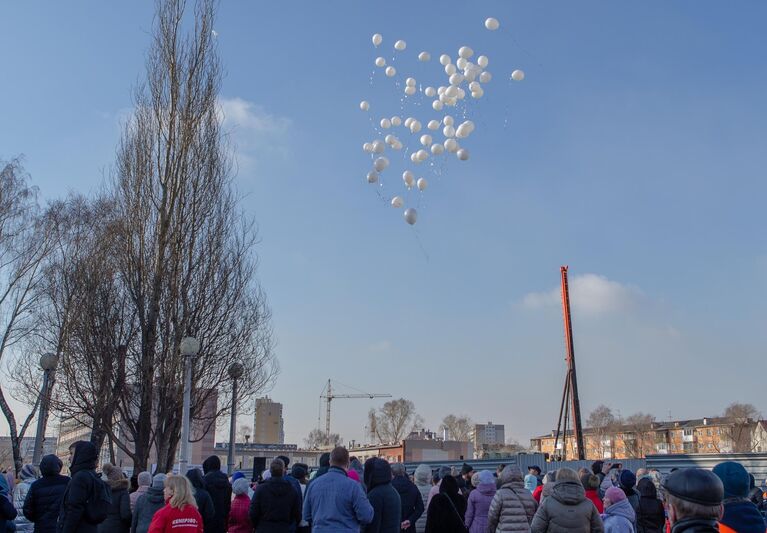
(29, 472)
(466, 468)
(475, 479)
(615, 495)
(298, 471)
(144, 479)
(237, 475)
(628, 479)
(734, 478)
(485, 476)
(158, 481)
(112, 472)
(444, 471)
(240, 486)
(284, 459)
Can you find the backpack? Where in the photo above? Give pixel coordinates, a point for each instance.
(97, 506)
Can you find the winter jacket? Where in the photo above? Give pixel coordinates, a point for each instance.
(651, 517)
(693, 525)
(411, 501)
(134, 496)
(531, 482)
(217, 485)
(7, 510)
(43, 501)
(239, 521)
(23, 525)
(324, 466)
(619, 518)
(592, 495)
(172, 520)
(119, 515)
(478, 507)
(447, 510)
(202, 497)
(334, 503)
(632, 495)
(513, 507)
(741, 516)
(387, 507)
(567, 510)
(146, 507)
(81, 488)
(537, 494)
(423, 484)
(275, 506)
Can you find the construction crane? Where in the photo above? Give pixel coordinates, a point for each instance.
(570, 400)
(328, 395)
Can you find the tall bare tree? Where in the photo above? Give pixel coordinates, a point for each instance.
(638, 436)
(458, 427)
(317, 438)
(393, 421)
(740, 421)
(602, 422)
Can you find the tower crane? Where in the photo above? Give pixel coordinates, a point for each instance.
(328, 395)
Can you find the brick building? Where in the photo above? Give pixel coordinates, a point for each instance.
(420, 446)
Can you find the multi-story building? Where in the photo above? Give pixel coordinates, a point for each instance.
(268, 425)
(26, 448)
(421, 446)
(704, 435)
(488, 435)
(245, 454)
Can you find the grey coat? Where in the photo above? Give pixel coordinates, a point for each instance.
(146, 506)
(567, 510)
(423, 482)
(513, 507)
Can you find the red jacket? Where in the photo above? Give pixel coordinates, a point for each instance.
(592, 495)
(537, 493)
(172, 520)
(239, 517)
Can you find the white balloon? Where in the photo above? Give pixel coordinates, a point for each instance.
(410, 90)
(444, 59)
(448, 120)
(465, 52)
(385, 123)
(451, 92)
(461, 94)
(441, 90)
(518, 75)
(415, 126)
(396, 121)
(451, 145)
(408, 121)
(485, 77)
(448, 131)
(367, 147)
(470, 75)
(397, 202)
(414, 158)
(391, 71)
(461, 63)
(463, 154)
(426, 140)
(378, 146)
(410, 81)
(437, 148)
(364, 105)
(389, 139)
(424, 56)
(482, 61)
(436, 105)
(422, 184)
(430, 92)
(396, 145)
(422, 155)
(372, 176)
(456, 78)
(380, 163)
(409, 178)
(492, 24)
(451, 102)
(478, 93)
(433, 125)
(400, 45)
(380, 62)
(450, 69)
(443, 98)
(411, 215)
(473, 86)
(461, 132)
(377, 39)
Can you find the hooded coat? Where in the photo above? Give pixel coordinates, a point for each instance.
(202, 497)
(28, 476)
(741, 516)
(478, 507)
(422, 478)
(146, 507)
(43, 502)
(7, 510)
(217, 485)
(567, 510)
(447, 509)
(387, 507)
(324, 465)
(275, 506)
(411, 501)
(82, 487)
(513, 507)
(119, 515)
(619, 518)
(651, 517)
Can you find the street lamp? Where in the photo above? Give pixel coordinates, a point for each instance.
(48, 362)
(190, 347)
(236, 370)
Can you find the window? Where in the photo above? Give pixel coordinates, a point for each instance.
(709, 432)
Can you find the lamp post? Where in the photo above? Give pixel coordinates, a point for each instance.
(190, 347)
(235, 372)
(48, 362)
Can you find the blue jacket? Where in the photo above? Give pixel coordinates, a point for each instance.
(334, 503)
(619, 518)
(743, 517)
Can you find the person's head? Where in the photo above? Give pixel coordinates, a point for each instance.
(211, 464)
(550, 477)
(500, 469)
(339, 457)
(641, 472)
(277, 468)
(535, 470)
(475, 479)
(583, 470)
(734, 479)
(50, 465)
(510, 474)
(613, 495)
(82, 456)
(285, 460)
(693, 493)
(422, 475)
(466, 471)
(194, 475)
(240, 487)
(567, 475)
(29, 473)
(398, 469)
(589, 481)
(178, 492)
(449, 486)
(647, 488)
(158, 481)
(300, 471)
(114, 476)
(144, 479)
(325, 460)
(627, 479)
(596, 467)
(485, 477)
(444, 471)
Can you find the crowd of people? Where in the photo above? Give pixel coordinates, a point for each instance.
(344, 495)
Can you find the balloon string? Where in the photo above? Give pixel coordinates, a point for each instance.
(420, 243)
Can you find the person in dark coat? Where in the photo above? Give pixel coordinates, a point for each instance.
(275, 507)
(119, 515)
(202, 497)
(383, 497)
(694, 500)
(410, 498)
(43, 502)
(217, 485)
(651, 517)
(447, 509)
(293, 482)
(80, 490)
(7, 510)
(628, 481)
(740, 514)
(324, 465)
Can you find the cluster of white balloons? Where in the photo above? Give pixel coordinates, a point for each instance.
(465, 78)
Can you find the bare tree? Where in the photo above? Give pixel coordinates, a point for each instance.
(458, 428)
(318, 439)
(602, 422)
(244, 433)
(393, 421)
(740, 421)
(638, 437)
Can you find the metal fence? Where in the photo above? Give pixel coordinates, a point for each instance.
(755, 463)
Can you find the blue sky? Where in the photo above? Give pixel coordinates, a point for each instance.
(634, 151)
